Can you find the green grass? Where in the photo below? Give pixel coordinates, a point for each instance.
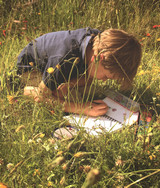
(28, 153)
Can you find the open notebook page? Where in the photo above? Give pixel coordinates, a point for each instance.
(118, 115)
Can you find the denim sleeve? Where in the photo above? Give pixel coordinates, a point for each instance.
(58, 71)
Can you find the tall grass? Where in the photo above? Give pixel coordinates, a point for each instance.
(29, 155)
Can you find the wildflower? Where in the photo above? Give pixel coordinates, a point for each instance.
(25, 21)
(50, 184)
(92, 178)
(31, 64)
(36, 172)
(11, 99)
(0, 43)
(52, 140)
(120, 177)
(23, 28)
(39, 13)
(1, 161)
(64, 167)
(76, 61)
(30, 141)
(148, 35)
(4, 33)
(60, 153)
(79, 154)
(142, 72)
(62, 181)
(142, 39)
(93, 58)
(10, 166)
(17, 21)
(20, 128)
(39, 140)
(2, 185)
(119, 161)
(81, 168)
(52, 112)
(87, 168)
(58, 66)
(101, 57)
(50, 70)
(151, 157)
(41, 135)
(158, 39)
(156, 26)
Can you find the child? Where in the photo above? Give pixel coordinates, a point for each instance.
(66, 59)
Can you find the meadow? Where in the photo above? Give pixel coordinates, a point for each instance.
(29, 155)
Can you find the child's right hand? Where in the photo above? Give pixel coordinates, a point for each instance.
(97, 108)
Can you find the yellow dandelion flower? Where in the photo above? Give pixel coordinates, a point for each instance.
(158, 39)
(60, 153)
(50, 70)
(151, 157)
(142, 72)
(10, 99)
(31, 64)
(41, 135)
(158, 94)
(50, 184)
(36, 172)
(58, 66)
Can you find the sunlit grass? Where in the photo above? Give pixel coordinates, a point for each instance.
(29, 155)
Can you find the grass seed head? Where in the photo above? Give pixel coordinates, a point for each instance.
(92, 178)
(10, 166)
(79, 154)
(20, 128)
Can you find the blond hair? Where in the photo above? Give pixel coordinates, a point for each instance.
(121, 54)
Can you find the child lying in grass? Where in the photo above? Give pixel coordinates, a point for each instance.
(66, 59)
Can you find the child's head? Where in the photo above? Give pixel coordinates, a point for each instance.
(121, 53)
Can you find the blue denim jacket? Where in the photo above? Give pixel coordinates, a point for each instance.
(57, 50)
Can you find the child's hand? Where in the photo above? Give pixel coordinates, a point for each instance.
(97, 108)
(32, 92)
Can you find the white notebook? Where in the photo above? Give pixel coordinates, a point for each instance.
(122, 112)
